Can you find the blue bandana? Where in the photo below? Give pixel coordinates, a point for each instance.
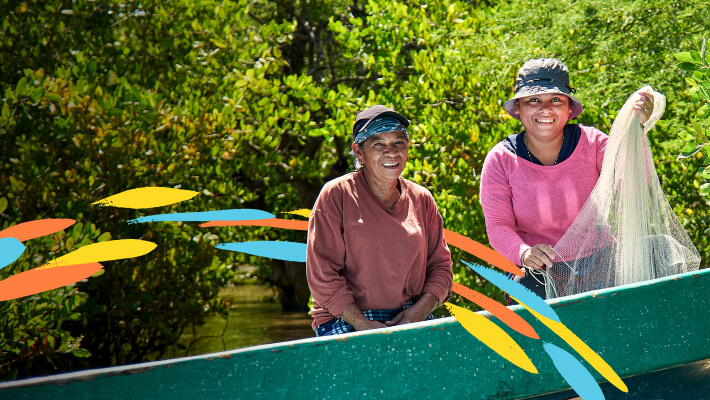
(381, 125)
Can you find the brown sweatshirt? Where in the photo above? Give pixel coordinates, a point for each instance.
(357, 252)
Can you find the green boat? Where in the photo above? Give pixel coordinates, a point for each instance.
(655, 335)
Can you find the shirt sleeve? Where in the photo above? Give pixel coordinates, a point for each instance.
(497, 204)
(325, 257)
(600, 142)
(439, 276)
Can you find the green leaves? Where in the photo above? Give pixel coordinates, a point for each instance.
(115, 112)
(218, 43)
(21, 88)
(52, 96)
(81, 353)
(704, 111)
(697, 132)
(692, 57)
(252, 105)
(37, 94)
(689, 149)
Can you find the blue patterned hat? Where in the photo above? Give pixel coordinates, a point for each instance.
(378, 119)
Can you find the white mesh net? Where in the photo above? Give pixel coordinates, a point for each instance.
(626, 232)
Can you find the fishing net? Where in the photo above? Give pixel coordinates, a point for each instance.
(626, 232)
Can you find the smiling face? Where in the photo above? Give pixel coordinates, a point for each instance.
(544, 115)
(383, 155)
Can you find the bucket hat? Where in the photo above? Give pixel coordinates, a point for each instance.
(539, 76)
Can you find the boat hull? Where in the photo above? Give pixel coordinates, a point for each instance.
(653, 334)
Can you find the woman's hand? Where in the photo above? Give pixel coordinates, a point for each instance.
(644, 105)
(538, 256)
(417, 312)
(367, 324)
(353, 315)
(407, 316)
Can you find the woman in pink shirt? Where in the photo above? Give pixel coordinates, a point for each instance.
(376, 252)
(534, 183)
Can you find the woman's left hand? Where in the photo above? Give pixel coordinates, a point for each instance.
(417, 312)
(644, 105)
(405, 317)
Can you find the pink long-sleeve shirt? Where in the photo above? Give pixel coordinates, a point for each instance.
(527, 204)
(358, 253)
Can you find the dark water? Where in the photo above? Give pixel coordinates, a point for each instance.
(251, 322)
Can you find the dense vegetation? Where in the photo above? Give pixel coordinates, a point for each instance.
(697, 133)
(251, 103)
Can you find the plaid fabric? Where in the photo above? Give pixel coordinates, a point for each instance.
(338, 325)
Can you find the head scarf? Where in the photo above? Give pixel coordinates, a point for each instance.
(382, 124)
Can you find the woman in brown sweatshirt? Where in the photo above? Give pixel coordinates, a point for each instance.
(376, 250)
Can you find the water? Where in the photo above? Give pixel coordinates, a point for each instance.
(251, 322)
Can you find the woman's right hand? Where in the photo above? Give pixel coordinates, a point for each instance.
(353, 315)
(367, 324)
(644, 105)
(538, 256)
